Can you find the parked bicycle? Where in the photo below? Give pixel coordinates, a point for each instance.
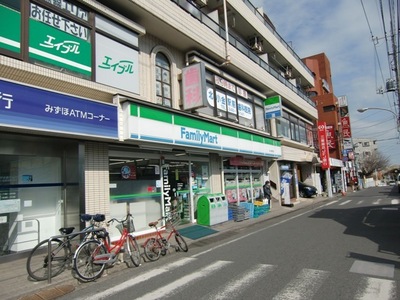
(61, 251)
(93, 256)
(156, 246)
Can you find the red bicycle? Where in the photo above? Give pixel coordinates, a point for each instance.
(92, 257)
(156, 246)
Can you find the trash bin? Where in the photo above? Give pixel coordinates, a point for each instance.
(212, 209)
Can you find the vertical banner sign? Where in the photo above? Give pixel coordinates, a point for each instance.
(194, 86)
(345, 121)
(330, 134)
(273, 107)
(323, 145)
(166, 190)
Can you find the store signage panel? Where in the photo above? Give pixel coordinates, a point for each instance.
(323, 145)
(186, 131)
(330, 134)
(65, 46)
(10, 32)
(117, 65)
(342, 101)
(27, 107)
(273, 107)
(228, 103)
(194, 86)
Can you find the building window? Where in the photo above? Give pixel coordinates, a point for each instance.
(329, 108)
(163, 80)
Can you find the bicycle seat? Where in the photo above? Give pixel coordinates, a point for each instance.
(153, 224)
(99, 217)
(66, 230)
(96, 217)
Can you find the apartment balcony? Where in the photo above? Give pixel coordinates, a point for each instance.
(191, 28)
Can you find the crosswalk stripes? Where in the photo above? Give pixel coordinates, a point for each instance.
(375, 288)
(237, 285)
(302, 286)
(376, 202)
(345, 202)
(182, 282)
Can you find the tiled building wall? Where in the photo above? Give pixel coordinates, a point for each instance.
(97, 190)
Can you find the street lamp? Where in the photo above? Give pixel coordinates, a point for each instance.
(361, 110)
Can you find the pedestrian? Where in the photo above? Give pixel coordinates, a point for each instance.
(267, 192)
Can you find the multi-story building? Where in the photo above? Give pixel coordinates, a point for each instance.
(329, 112)
(144, 106)
(364, 147)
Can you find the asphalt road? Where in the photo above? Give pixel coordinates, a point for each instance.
(337, 249)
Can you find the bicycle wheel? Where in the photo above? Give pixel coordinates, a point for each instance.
(132, 251)
(152, 249)
(84, 260)
(37, 264)
(181, 242)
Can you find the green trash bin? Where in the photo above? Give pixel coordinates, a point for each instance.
(212, 209)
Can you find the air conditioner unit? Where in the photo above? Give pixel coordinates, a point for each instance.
(256, 44)
(201, 3)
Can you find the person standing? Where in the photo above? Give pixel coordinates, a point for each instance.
(267, 192)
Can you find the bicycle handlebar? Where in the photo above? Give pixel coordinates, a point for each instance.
(119, 221)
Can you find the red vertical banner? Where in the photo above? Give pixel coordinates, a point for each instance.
(323, 145)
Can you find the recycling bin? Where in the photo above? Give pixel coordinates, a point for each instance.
(212, 209)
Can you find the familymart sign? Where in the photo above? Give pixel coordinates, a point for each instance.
(158, 126)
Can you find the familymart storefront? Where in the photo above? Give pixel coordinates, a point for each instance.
(173, 159)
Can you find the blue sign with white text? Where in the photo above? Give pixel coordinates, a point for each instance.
(27, 107)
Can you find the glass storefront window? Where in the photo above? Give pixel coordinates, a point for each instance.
(39, 190)
(135, 186)
(242, 184)
(148, 189)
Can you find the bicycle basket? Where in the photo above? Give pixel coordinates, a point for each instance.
(128, 224)
(173, 221)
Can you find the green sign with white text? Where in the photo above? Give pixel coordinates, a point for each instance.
(10, 29)
(58, 48)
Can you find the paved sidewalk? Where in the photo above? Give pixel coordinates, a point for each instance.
(15, 283)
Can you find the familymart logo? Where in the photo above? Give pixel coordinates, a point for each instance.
(199, 136)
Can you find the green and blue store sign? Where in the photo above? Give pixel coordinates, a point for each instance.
(164, 127)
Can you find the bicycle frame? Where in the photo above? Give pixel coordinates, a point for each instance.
(116, 246)
(158, 244)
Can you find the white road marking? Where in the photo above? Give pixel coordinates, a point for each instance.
(377, 202)
(395, 201)
(375, 288)
(139, 279)
(360, 202)
(181, 283)
(304, 286)
(372, 268)
(234, 287)
(345, 202)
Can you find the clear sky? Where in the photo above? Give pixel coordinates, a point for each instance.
(343, 30)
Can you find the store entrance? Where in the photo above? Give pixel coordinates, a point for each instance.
(179, 189)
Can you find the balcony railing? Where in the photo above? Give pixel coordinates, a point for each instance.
(243, 47)
(261, 18)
